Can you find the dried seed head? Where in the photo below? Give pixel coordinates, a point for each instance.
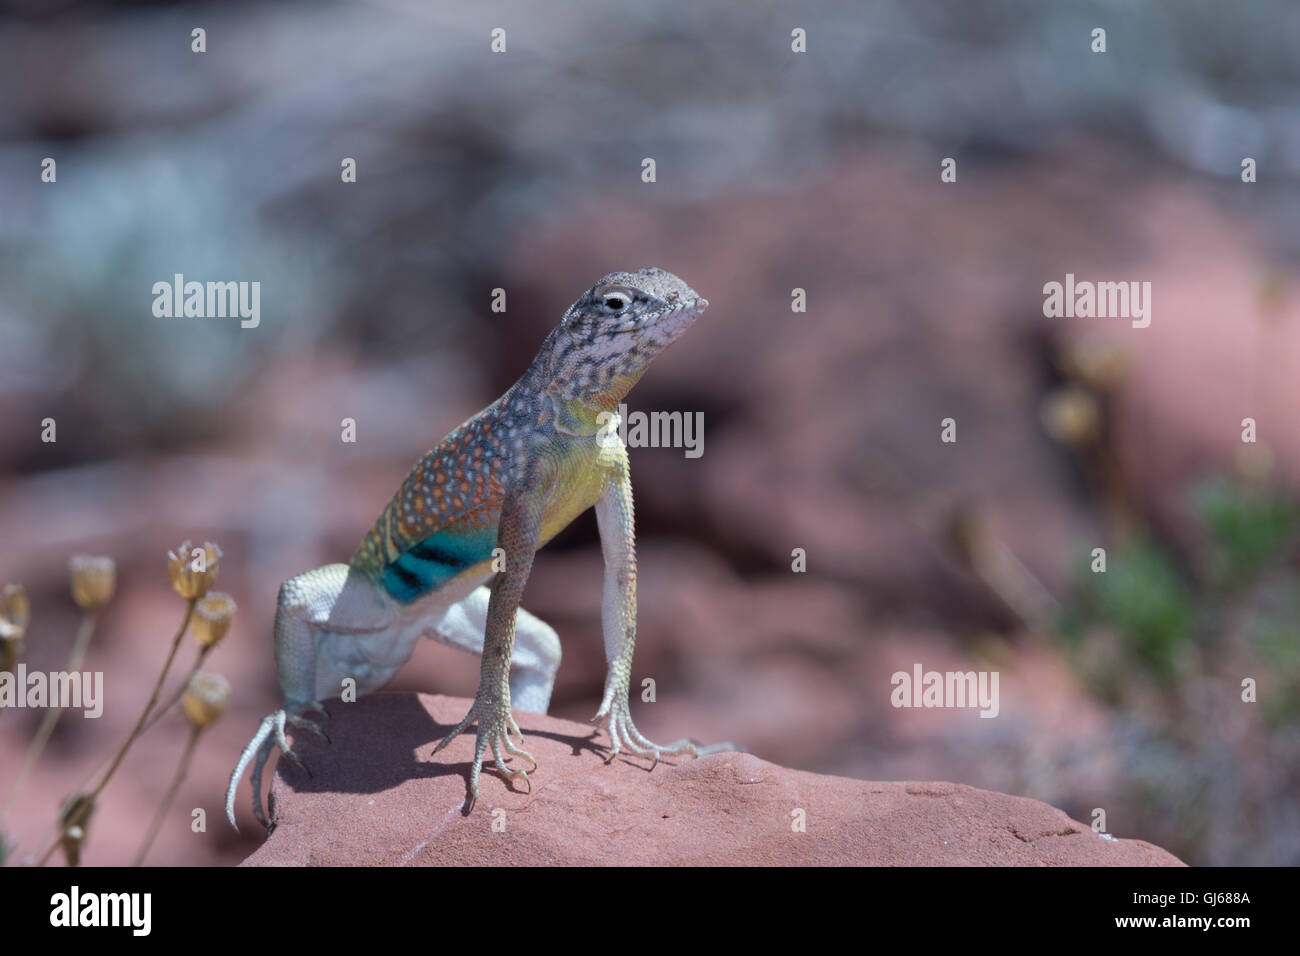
(193, 570)
(15, 612)
(212, 616)
(93, 579)
(206, 697)
(1071, 416)
(1102, 364)
(76, 810)
(15, 609)
(74, 820)
(71, 841)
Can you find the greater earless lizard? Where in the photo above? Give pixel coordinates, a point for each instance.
(510, 478)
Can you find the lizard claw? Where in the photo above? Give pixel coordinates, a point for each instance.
(270, 733)
(495, 725)
(312, 707)
(616, 716)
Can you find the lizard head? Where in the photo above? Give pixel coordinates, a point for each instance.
(608, 337)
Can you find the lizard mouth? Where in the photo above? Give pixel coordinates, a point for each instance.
(674, 316)
(669, 325)
(688, 309)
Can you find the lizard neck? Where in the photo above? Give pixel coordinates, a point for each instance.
(586, 414)
(554, 373)
(611, 395)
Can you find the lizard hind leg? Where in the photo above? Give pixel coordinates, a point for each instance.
(270, 733)
(263, 754)
(259, 747)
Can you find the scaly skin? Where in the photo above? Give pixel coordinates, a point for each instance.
(511, 477)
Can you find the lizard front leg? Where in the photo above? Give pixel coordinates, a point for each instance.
(518, 533)
(614, 518)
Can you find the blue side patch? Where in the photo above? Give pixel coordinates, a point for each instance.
(437, 559)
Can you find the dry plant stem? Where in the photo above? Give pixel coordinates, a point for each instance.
(148, 709)
(182, 769)
(158, 713)
(180, 688)
(139, 724)
(84, 633)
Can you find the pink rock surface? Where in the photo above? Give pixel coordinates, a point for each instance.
(377, 796)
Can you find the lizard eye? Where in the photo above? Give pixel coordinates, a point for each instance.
(616, 302)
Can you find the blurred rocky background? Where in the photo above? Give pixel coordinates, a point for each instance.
(820, 170)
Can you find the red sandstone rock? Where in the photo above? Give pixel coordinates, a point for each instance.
(377, 796)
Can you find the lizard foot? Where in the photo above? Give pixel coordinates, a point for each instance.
(617, 719)
(495, 725)
(270, 733)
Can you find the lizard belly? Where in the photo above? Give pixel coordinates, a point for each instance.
(373, 658)
(370, 660)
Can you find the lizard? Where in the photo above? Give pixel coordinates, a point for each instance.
(449, 556)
